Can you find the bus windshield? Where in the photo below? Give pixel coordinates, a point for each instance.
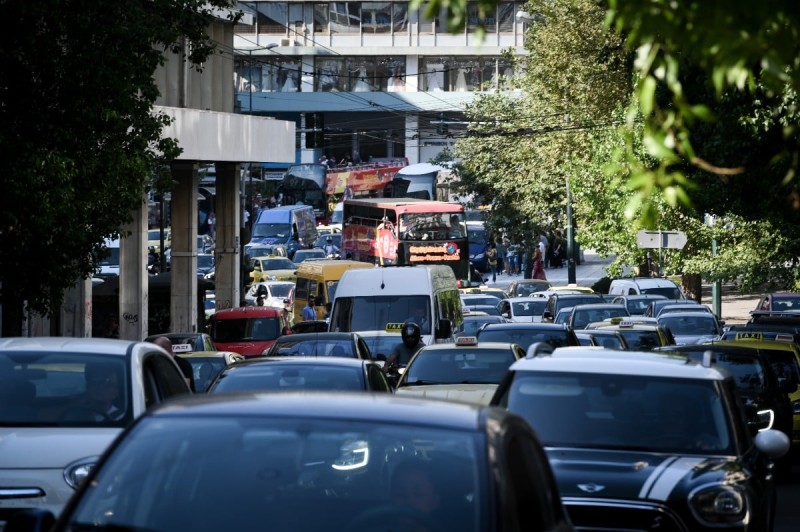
(372, 313)
(432, 226)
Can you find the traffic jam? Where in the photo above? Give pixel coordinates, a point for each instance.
(389, 384)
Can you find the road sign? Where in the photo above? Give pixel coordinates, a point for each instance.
(661, 239)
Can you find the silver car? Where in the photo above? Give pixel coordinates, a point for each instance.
(62, 402)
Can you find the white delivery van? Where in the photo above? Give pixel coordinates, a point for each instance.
(377, 299)
(109, 264)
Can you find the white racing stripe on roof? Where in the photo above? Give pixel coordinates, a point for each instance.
(670, 478)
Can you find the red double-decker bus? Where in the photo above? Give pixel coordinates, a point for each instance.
(406, 231)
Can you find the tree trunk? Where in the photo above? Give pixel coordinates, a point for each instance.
(693, 287)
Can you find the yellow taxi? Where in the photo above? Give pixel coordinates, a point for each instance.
(154, 239)
(784, 357)
(272, 268)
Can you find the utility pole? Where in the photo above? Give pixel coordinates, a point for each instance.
(571, 276)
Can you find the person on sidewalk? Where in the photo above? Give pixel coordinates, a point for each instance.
(491, 257)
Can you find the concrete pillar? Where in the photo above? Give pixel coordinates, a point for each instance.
(76, 312)
(133, 279)
(183, 264)
(227, 256)
(413, 140)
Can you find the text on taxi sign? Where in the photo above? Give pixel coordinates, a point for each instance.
(749, 336)
(394, 327)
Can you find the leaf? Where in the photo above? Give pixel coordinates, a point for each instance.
(647, 91)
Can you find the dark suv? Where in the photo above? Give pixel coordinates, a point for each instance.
(526, 334)
(645, 440)
(558, 301)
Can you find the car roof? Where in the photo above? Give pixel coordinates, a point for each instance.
(766, 345)
(314, 336)
(300, 360)
(340, 405)
(581, 359)
(533, 299)
(601, 306)
(105, 346)
(538, 326)
(248, 312)
(452, 346)
(686, 314)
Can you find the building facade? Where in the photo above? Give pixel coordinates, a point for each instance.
(370, 79)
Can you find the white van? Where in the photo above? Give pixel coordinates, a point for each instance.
(109, 265)
(646, 285)
(378, 299)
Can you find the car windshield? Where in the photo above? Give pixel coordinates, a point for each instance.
(236, 330)
(637, 306)
(581, 317)
(372, 313)
(476, 236)
(666, 291)
(454, 366)
(313, 348)
(641, 340)
(471, 325)
(322, 241)
(290, 377)
(696, 324)
(528, 308)
(302, 474)
(280, 290)
(69, 389)
(271, 230)
(204, 369)
(302, 254)
(556, 338)
(621, 411)
(112, 259)
(382, 344)
(277, 264)
(205, 261)
(337, 216)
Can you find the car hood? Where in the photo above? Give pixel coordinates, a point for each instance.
(247, 349)
(51, 447)
(462, 393)
(607, 474)
(689, 339)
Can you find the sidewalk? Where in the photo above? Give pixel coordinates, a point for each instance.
(735, 309)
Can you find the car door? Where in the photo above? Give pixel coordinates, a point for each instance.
(161, 379)
(504, 308)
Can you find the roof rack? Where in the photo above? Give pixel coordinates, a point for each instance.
(538, 349)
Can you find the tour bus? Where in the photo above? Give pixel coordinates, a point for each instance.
(317, 280)
(378, 299)
(406, 231)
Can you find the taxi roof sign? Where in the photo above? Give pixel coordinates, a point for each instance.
(394, 327)
(749, 336)
(466, 340)
(182, 348)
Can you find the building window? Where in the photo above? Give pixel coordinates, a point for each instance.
(400, 17)
(345, 17)
(434, 74)
(465, 74)
(321, 18)
(273, 17)
(505, 17)
(329, 76)
(394, 78)
(267, 75)
(474, 20)
(362, 75)
(376, 17)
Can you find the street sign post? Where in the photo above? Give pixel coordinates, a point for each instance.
(661, 239)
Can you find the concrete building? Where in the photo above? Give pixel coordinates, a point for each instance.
(378, 78)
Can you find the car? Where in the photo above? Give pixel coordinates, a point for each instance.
(766, 397)
(474, 321)
(754, 331)
(272, 268)
(253, 250)
(469, 300)
(655, 306)
(310, 326)
(586, 340)
(305, 254)
(691, 327)
(205, 264)
(526, 287)
(556, 301)
(499, 293)
(247, 330)
(207, 364)
(582, 315)
(478, 244)
(678, 307)
(645, 440)
(607, 338)
(381, 343)
(320, 344)
(636, 303)
(488, 309)
(526, 334)
(276, 294)
(62, 402)
(284, 373)
(563, 316)
(646, 285)
(780, 301)
(210, 303)
(467, 370)
(638, 336)
(318, 462)
(154, 239)
(522, 309)
(186, 342)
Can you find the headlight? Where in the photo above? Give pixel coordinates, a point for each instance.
(718, 504)
(77, 471)
(796, 407)
(354, 455)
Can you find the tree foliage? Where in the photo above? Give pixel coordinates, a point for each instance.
(78, 132)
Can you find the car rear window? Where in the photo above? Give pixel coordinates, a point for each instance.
(239, 329)
(556, 338)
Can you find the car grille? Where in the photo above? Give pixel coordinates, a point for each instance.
(606, 515)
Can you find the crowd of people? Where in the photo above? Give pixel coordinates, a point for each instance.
(505, 256)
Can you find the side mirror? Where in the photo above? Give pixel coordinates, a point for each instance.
(506, 315)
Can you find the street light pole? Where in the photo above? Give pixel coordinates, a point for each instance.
(571, 277)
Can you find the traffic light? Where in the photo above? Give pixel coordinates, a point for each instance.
(315, 125)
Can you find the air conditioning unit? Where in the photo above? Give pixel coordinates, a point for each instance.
(286, 42)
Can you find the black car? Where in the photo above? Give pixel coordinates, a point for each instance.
(320, 344)
(301, 373)
(317, 462)
(645, 440)
(526, 334)
(558, 301)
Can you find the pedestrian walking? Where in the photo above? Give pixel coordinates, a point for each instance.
(491, 257)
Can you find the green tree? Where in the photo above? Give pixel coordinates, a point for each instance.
(78, 132)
